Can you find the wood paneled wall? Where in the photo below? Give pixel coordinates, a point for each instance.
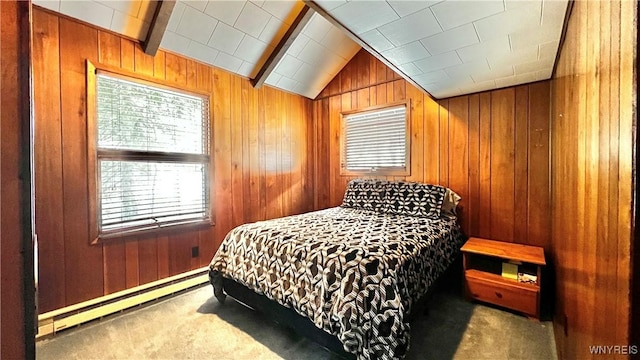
(594, 104)
(261, 151)
(16, 260)
(491, 148)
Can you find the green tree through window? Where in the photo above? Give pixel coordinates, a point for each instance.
(152, 154)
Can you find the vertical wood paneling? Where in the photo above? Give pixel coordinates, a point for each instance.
(521, 176)
(48, 130)
(537, 190)
(261, 162)
(502, 164)
(478, 145)
(484, 195)
(83, 263)
(473, 209)
(459, 153)
(593, 102)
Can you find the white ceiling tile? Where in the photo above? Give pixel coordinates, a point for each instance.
(176, 15)
(497, 47)
(317, 27)
(410, 28)
(332, 37)
(89, 11)
(298, 44)
(499, 60)
(127, 7)
(225, 11)
(327, 61)
(410, 69)
(431, 77)
(362, 16)
(288, 65)
(225, 38)
(228, 62)
(250, 49)
(453, 39)
(329, 5)
(48, 4)
(346, 49)
(273, 78)
(246, 69)
(452, 14)
(312, 52)
(483, 76)
(202, 52)
(279, 8)
(174, 42)
(406, 53)
(465, 69)
(270, 32)
(544, 74)
(481, 86)
(287, 83)
(196, 25)
(404, 7)
(199, 5)
(533, 36)
(376, 40)
(508, 22)
(305, 74)
(516, 79)
(129, 25)
(258, 2)
(443, 94)
(514, 4)
(548, 49)
(252, 20)
(438, 62)
(553, 12)
(542, 64)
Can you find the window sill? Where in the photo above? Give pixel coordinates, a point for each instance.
(139, 234)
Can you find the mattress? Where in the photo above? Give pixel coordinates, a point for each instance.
(355, 273)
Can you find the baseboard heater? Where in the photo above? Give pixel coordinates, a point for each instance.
(56, 320)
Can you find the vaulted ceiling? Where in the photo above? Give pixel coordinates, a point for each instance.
(447, 48)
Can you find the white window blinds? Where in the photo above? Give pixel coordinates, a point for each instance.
(375, 141)
(153, 155)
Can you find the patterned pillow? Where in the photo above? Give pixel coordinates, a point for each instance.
(414, 199)
(365, 194)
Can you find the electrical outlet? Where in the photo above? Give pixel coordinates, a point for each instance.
(195, 251)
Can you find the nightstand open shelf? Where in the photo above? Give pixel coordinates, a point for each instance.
(482, 260)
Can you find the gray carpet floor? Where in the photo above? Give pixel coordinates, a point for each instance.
(193, 325)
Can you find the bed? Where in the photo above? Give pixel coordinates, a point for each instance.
(356, 270)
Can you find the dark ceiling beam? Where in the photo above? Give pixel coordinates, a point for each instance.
(158, 25)
(363, 44)
(296, 28)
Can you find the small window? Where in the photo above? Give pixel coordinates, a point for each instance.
(151, 157)
(376, 141)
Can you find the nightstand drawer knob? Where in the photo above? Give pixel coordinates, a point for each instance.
(498, 295)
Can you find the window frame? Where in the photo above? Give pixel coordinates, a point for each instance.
(93, 172)
(406, 171)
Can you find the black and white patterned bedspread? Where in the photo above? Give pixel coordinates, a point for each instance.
(354, 273)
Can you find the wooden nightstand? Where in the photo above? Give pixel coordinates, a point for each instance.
(483, 280)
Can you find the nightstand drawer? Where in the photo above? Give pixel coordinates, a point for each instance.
(515, 298)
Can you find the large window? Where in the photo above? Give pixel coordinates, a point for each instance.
(376, 141)
(151, 155)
